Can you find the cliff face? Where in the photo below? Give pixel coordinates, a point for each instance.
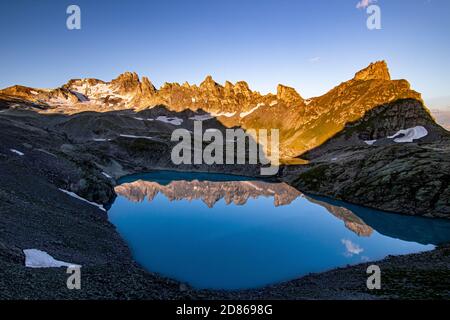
(364, 164)
(375, 71)
(380, 123)
(346, 103)
(412, 180)
(303, 124)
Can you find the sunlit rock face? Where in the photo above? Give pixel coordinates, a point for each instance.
(375, 71)
(233, 192)
(303, 123)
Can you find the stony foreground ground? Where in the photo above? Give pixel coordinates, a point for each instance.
(35, 214)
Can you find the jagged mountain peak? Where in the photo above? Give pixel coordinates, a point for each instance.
(127, 75)
(209, 82)
(126, 81)
(288, 94)
(147, 85)
(375, 71)
(242, 87)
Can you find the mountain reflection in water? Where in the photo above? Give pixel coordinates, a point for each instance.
(229, 232)
(358, 219)
(237, 192)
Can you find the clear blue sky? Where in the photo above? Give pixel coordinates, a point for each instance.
(310, 45)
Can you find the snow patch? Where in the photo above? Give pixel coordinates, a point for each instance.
(17, 152)
(370, 142)
(224, 114)
(409, 135)
(273, 103)
(143, 119)
(101, 140)
(58, 101)
(40, 259)
(171, 120)
(244, 114)
(136, 137)
(203, 117)
(74, 195)
(106, 175)
(98, 93)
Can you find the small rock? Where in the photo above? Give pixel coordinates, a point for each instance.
(183, 287)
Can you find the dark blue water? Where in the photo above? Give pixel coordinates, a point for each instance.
(202, 229)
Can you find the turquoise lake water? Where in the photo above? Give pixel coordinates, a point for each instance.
(227, 232)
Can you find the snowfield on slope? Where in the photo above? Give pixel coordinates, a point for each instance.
(405, 136)
(136, 137)
(409, 135)
(74, 195)
(142, 119)
(17, 152)
(244, 114)
(35, 258)
(171, 120)
(203, 117)
(106, 175)
(224, 114)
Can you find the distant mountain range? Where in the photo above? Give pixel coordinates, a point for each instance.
(304, 123)
(442, 117)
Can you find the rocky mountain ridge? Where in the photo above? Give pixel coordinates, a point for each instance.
(303, 124)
